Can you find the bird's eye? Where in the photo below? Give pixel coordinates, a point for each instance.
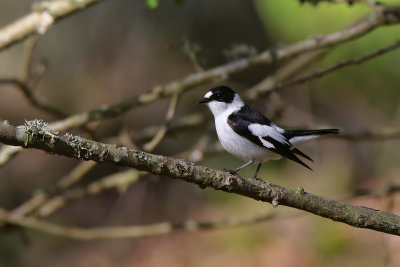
(217, 95)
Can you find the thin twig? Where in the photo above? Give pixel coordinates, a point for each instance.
(27, 80)
(163, 129)
(381, 135)
(340, 65)
(192, 51)
(7, 153)
(188, 122)
(29, 49)
(120, 181)
(33, 100)
(295, 66)
(320, 73)
(388, 190)
(128, 231)
(43, 196)
(370, 3)
(76, 174)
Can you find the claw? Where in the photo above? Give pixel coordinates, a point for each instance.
(233, 172)
(258, 179)
(230, 171)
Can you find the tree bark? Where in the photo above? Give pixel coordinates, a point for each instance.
(35, 134)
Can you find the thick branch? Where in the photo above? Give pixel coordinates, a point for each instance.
(35, 135)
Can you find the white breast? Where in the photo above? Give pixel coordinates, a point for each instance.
(239, 146)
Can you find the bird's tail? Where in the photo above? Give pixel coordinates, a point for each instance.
(298, 136)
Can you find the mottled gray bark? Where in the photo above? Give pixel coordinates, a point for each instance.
(35, 134)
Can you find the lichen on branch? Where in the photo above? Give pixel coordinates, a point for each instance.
(35, 134)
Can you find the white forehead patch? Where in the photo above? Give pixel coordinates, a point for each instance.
(208, 95)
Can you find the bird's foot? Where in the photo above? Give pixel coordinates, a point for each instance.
(233, 172)
(230, 171)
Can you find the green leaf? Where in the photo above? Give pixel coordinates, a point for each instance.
(179, 2)
(152, 4)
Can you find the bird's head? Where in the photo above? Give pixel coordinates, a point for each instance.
(221, 99)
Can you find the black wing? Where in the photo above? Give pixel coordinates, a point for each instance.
(240, 120)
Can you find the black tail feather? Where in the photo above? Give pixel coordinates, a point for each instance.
(286, 151)
(293, 133)
(298, 152)
(289, 134)
(296, 159)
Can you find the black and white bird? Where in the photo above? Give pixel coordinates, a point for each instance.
(249, 135)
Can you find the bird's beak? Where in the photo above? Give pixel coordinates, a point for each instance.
(204, 100)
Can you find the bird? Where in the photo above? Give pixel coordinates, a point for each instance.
(249, 135)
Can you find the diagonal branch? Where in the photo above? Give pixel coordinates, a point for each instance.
(35, 134)
(119, 181)
(295, 66)
(39, 20)
(43, 197)
(320, 73)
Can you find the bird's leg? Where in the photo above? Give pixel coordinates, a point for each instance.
(255, 175)
(244, 166)
(234, 172)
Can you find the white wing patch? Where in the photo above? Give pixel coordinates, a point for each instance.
(300, 139)
(277, 128)
(266, 143)
(261, 131)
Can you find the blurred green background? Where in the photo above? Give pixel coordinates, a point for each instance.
(118, 49)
